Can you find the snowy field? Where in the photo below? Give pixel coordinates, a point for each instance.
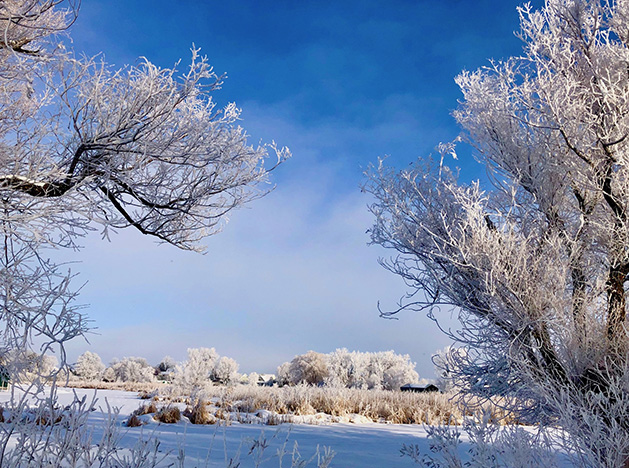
(364, 445)
(355, 445)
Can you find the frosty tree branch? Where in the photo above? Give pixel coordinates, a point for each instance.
(538, 264)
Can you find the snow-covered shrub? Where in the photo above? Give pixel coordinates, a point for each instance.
(166, 368)
(132, 369)
(194, 374)
(27, 366)
(310, 368)
(393, 370)
(383, 370)
(283, 374)
(252, 379)
(89, 366)
(225, 371)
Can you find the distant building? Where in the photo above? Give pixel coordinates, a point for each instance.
(266, 380)
(418, 388)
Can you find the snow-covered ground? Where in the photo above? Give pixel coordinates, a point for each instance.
(355, 445)
(364, 445)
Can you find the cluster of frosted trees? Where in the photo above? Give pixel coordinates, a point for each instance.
(351, 369)
(203, 366)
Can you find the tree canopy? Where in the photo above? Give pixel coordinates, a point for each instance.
(537, 262)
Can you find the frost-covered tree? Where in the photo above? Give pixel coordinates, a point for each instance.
(85, 146)
(166, 364)
(310, 368)
(252, 379)
(537, 263)
(132, 369)
(396, 370)
(283, 374)
(225, 370)
(195, 373)
(351, 369)
(89, 366)
(346, 369)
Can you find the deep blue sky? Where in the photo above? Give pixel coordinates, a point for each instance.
(341, 84)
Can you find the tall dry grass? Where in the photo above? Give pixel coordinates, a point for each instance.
(376, 405)
(383, 406)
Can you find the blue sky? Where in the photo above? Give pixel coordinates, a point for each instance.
(341, 84)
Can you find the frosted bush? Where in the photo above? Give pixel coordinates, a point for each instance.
(490, 446)
(253, 378)
(166, 368)
(225, 371)
(89, 366)
(283, 374)
(310, 368)
(382, 370)
(132, 369)
(194, 374)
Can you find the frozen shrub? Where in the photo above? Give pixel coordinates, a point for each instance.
(194, 375)
(89, 366)
(283, 374)
(132, 369)
(166, 368)
(225, 371)
(310, 368)
(146, 409)
(109, 375)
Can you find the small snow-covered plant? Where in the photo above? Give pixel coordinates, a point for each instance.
(89, 366)
(168, 415)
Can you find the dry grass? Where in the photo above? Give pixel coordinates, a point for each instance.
(146, 409)
(379, 406)
(146, 388)
(199, 413)
(287, 402)
(133, 421)
(168, 415)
